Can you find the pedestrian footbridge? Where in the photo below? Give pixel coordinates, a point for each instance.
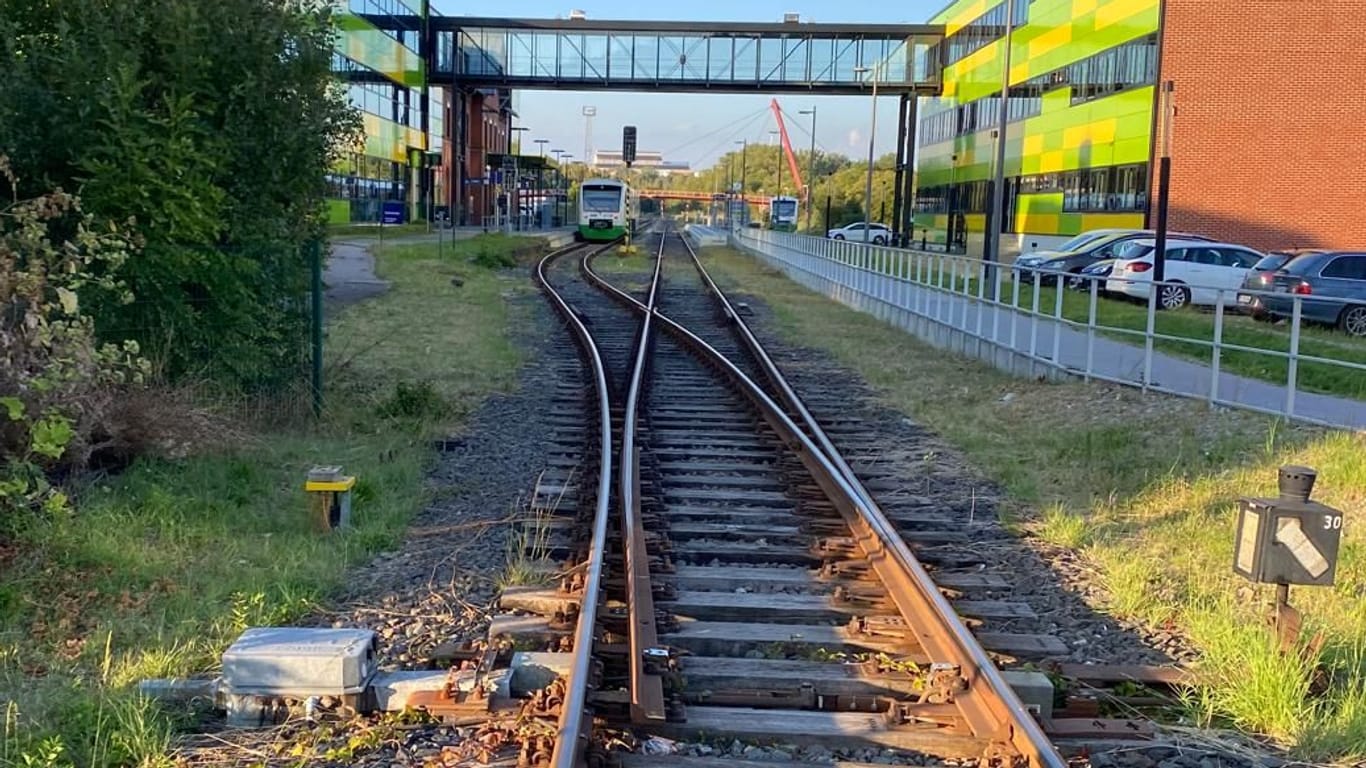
(729, 57)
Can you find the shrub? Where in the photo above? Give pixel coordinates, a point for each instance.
(58, 385)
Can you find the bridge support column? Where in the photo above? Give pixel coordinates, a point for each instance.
(902, 216)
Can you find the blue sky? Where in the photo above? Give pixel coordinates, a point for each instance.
(699, 128)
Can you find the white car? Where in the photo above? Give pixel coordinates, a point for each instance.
(1195, 271)
(878, 234)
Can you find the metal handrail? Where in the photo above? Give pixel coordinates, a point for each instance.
(647, 691)
(568, 750)
(947, 290)
(922, 602)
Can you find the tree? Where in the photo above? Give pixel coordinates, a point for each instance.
(210, 125)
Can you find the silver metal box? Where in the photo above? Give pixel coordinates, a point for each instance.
(297, 662)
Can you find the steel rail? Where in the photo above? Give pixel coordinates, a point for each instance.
(647, 689)
(1026, 736)
(569, 751)
(996, 714)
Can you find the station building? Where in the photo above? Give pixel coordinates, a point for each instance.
(405, 155)
(1268, 142)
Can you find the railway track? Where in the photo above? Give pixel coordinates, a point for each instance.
(736, 580)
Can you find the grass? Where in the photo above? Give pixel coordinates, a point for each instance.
(163, 565)
(1145, 488)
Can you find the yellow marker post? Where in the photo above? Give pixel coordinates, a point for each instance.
(329, 497)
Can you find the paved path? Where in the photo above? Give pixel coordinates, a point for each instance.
(350, 273)
(1073, 349)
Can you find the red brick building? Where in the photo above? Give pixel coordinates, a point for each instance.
(1269, 139)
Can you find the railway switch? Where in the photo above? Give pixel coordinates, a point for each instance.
(1289, 539)
(329, 493)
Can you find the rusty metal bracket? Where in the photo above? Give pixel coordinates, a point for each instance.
(944, 683)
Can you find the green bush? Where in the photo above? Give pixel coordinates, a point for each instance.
(60, 389)
(212, 126)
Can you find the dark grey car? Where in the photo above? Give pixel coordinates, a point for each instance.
(1331, 284)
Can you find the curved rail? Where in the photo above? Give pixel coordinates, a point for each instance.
(647, 689)
(568, 750)
(997, 713)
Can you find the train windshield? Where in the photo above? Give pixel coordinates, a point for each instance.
(784, 208)
(601, 198)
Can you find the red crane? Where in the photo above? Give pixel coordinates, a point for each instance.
(787, 147)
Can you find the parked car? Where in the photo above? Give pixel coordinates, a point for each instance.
(878, 234)
(1259, 279)
(1046, 266)
(1096, 273)
(1332, 285)
(1196, 270)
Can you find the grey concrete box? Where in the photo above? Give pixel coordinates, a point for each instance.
(292, 661)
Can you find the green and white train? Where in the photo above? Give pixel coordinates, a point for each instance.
(607, 209)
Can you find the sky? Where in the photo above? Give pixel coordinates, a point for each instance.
(699, 128)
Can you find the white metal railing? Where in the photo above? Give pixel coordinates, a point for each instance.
(1065, 329)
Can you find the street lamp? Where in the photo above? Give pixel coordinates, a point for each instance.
(872, 135)
(517, 129)
(779, 163)
(810, 168)
(744, 157)
(542, 142)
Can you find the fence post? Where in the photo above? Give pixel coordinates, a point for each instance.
(1153, 289)
(1217, 357)
(316, 257)
(1014, 309)
(1034, 321)
(1057, 323)
(1091, 330)
(1292, 376)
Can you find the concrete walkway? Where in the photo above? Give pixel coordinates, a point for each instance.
(996, 333)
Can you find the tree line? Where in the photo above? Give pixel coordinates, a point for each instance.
(838, 183)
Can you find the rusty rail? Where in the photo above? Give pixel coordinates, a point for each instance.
(647, 688)
(990, 708)
(570, 740)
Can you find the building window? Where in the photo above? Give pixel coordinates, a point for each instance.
(1130, 65)
(1112, 188)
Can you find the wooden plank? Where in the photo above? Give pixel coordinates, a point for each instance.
(779, 607)
(1022, 645)
(828, 729)
(750, 467)
(698, 512)
(1137, 673)
(994, 609)
(724, 638)
(760, 579)
(783, 675)
(737, 497)
(967, 581)
(772, 532)
(719, 480)
(637, 760)
(701, 550)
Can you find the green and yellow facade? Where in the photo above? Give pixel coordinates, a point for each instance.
(386, 79)
(1078, 141)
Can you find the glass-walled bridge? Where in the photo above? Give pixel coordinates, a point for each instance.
(478, 62)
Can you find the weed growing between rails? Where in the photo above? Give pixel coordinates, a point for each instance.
(1144, 489)
(528, 548)
(158, 568)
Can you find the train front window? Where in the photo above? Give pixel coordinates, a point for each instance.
(783, 208)
(605, 199)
